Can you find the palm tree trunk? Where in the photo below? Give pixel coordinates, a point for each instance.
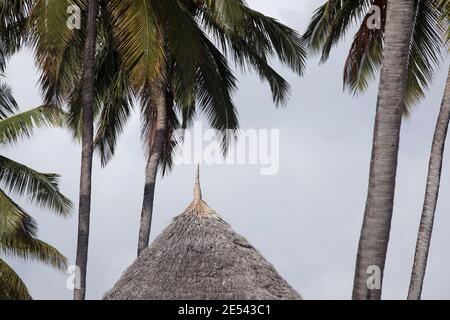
(87, 152)
(376, 226)
(431, 197)
(151, 171)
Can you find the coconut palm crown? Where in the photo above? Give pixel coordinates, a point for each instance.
(333, 20)
(18, 230)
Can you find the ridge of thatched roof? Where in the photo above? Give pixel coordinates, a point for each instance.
(199, 256)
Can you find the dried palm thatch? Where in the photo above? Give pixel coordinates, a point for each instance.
(199, 256)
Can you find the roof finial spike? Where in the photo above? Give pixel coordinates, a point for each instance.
(197, 189)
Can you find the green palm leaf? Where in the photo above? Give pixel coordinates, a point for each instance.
(332, 20)
(8, 104)
(330, 23)
(263, 38)
(136, 32)
(40, 188)
(364, 58)
(116, 110)
(27, 248)
(22, 125)
(14, 219)
(425, 52)
(11, 286)
(12, 27)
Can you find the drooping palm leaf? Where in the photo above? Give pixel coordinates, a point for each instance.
(364, 58)
(148, 132)
(8, 104)
(27, 248)
(109, 78)
(11, 286)
(330, 23)
(115, 111)
(137, 26)
(14, 219)
(228, 14)
(286, 43)
(12, 27)
(54, 42)
(40, 188)
(18, 232)
(136, 31)
(22, 125)
(332, 20)
(251, 49)
(425, 52)
(216, 101)
(114, 91)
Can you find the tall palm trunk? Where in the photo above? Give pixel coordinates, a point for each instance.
(87, 151)
(151, 172)
(375, 231)
(431, 197)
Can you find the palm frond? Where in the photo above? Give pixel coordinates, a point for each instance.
(332, 20)
(27, 248)
(216, 82)
(364, 58)
(444, 7)
(13, 21)
(14, 219)
(263, 38)
(171, 142)
(51, 40)
(330, 23)
(425, 52)
(11, 286)
(18, 233)
(113, 90)
(230, 14)
(286, 42)
(40, 188)
(8, 104)
(22, 125)
(200, 69)
(138, 41)
(115, 112)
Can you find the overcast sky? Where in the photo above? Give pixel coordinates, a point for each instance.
(305, 220)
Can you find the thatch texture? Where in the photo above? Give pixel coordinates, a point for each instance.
(199, 256)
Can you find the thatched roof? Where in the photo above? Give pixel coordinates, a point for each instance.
(199, 256)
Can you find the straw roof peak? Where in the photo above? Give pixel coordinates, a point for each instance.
(199, 256)
(198, 206)
(197, 188)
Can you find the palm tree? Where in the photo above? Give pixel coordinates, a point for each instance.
(250, 40)
(369, 47)
(432, 187)
(191, 71)
(87, 145)
(18, 230)
(431, 197)
(131, 52)
(380, 200)
(331, 22)
(32, 21)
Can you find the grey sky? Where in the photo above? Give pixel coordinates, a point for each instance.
(305, 220)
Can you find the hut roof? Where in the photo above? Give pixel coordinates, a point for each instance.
(199, 256)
